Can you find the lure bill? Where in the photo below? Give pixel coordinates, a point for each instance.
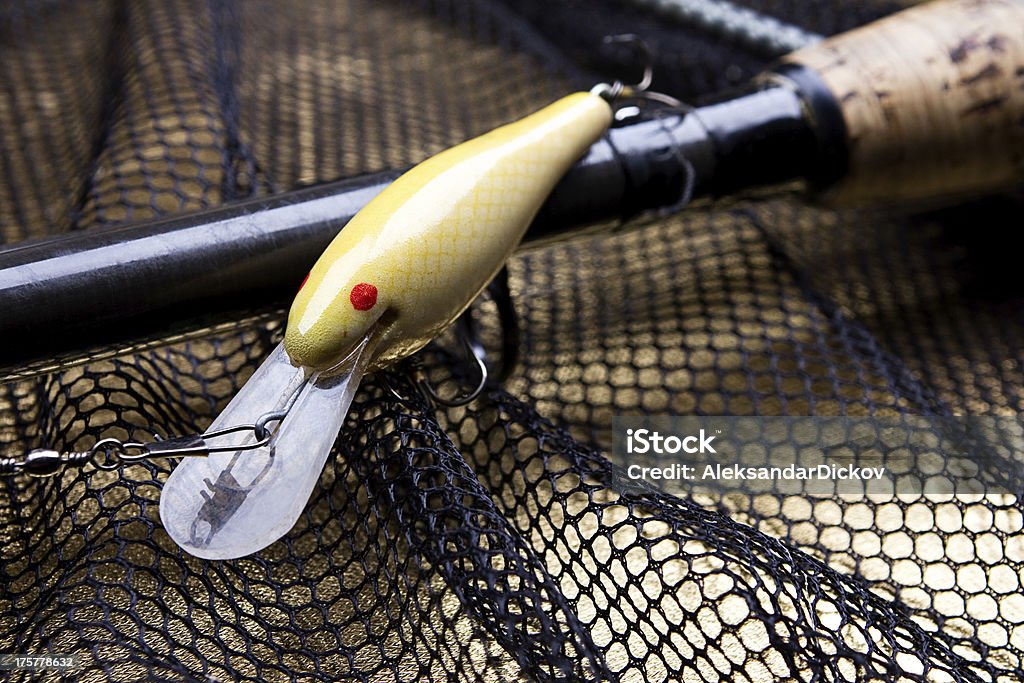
(233, 504)
(402, 270)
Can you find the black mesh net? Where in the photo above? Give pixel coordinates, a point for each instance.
(486, 543)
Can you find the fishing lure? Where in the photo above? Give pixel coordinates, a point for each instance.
(402, 270)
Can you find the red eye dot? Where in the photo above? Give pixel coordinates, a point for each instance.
(363, 297)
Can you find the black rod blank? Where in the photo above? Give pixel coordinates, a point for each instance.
(89, 289)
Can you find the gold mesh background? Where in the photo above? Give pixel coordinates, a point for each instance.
(486, 543)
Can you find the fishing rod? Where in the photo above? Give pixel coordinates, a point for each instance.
(925, 104)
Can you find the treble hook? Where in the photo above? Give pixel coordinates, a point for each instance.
(466, 330)
(619, 90)
(471, 343)
(473, 348)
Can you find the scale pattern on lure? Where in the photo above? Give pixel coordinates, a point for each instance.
(400, 272)
(417, 255)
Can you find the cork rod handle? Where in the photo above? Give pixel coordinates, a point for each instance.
(932, 99)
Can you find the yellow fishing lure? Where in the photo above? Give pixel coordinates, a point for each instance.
(418, 254)
(401, 271)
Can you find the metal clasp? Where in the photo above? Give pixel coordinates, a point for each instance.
(109, 454)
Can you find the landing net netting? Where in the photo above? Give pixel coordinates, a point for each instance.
(487, 543)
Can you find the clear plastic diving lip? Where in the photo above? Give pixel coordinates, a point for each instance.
(233, 504)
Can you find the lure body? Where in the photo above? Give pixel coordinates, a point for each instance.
(416, 256)
(402, 270)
